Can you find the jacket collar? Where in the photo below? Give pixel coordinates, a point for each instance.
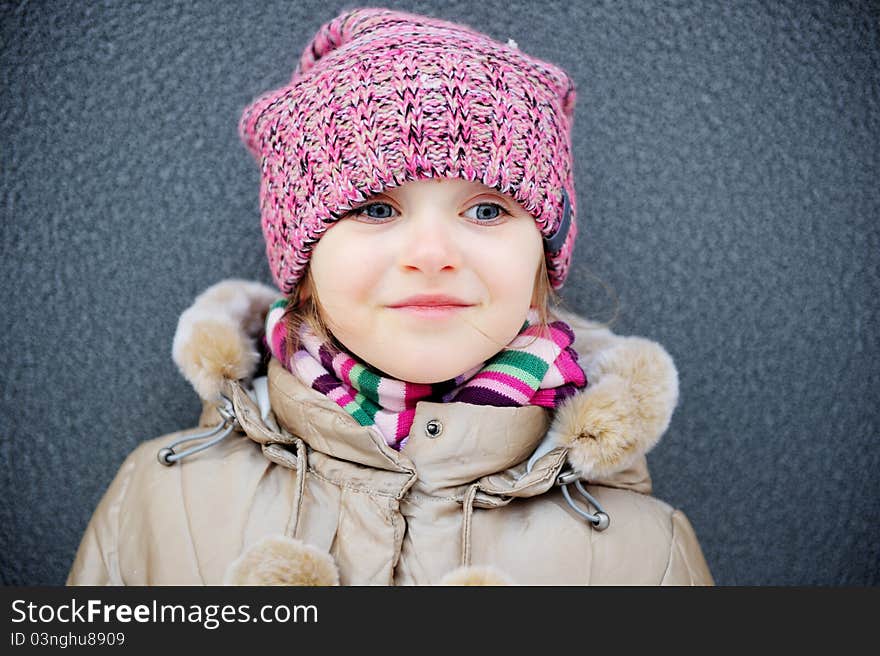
(475, 440)
(603, 431)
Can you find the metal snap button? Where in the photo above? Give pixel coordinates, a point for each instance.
(433, 428)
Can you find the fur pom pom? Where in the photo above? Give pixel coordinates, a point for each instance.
(280, 560)
(476, 575)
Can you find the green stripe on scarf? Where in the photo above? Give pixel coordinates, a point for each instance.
(368, 406)
(359, 411)
(525, 362)
(366, 382)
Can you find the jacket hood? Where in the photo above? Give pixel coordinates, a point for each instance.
(603, 431)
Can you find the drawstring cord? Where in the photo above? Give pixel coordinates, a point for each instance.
(600, 519)
(229, 422)
(466, 524)
(168, 456)
(302, 466)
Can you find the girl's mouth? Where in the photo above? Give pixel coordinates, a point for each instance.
(431, 311)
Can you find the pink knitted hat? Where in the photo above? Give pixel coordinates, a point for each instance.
(381, 97)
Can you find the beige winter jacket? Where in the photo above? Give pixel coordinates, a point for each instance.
(300, 493)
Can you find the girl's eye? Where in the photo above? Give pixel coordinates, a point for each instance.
(383, 211)
(488, 212)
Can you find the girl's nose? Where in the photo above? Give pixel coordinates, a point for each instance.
(431, 243)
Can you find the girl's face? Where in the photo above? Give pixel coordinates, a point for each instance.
(445, 236)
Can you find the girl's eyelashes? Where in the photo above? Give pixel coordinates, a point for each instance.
(384, 210)
(383, 214)
(483, 218)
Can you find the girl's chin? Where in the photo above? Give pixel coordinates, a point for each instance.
(424, 378)
(428, 375)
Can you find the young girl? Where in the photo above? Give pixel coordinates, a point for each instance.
(412, 407)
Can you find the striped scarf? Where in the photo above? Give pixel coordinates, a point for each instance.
(541, 372)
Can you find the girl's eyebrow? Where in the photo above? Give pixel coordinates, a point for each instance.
(495, 194)
(507, 202)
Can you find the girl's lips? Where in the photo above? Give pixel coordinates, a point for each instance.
(430, 299)
(431, 311)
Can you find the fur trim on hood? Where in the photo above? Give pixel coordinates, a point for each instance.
(624, 410)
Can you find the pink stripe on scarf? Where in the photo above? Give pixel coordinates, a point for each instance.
(390, 393)
(278, 338)
(307, 367)
(505, 390)
(571, 370)
(545, 398)
(404, 424)
(344, 364)
(341, 396)
(417, 391)
(505, 379)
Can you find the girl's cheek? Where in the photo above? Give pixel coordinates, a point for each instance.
(508, 259)
(347, 260)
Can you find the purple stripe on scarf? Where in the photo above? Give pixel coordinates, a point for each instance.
(326, 356)
(482, 396)
(325, 383)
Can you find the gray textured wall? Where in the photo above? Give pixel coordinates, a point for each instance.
(727, 167)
